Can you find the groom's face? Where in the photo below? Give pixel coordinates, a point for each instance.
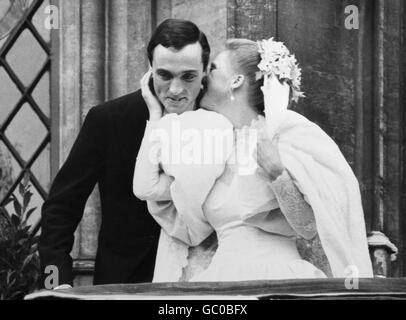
(178, 76)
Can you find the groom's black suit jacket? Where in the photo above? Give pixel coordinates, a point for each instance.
(104, 152)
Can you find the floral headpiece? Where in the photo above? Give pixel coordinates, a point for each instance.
(277, 60)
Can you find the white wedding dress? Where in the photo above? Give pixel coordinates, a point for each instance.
(266, 250)
(256, 221)
(255, 241)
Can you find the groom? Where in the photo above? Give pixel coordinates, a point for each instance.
(104, 153)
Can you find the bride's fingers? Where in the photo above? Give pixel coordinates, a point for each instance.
(142, 81)
(145, 90)
(267, 148)
(151, 100)
(275, 139)
(145, 79)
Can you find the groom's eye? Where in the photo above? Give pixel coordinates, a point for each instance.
(164, 75)
(189, 77)
(212, 67)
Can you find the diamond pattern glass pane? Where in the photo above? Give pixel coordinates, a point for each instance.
(39, 21)
(9, 95)
(41, 168)
(9, 170)
(41, 94)
(36, 202)
(26, 57)
(26, 132)
(11, 11)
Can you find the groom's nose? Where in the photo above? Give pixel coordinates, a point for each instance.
(176, 87)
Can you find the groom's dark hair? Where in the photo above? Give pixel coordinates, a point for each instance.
(178, 33)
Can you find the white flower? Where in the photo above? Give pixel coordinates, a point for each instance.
(277, 60)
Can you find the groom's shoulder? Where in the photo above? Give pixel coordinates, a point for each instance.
(130, 105)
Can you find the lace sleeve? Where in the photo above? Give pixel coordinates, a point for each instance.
(313, 252)
(294, 207)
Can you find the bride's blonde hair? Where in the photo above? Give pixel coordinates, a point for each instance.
(246, 58)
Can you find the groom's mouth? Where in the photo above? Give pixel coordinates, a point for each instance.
(175, 100)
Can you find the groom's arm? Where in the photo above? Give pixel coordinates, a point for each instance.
(63, 210)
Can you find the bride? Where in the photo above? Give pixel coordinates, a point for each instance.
(277, 178)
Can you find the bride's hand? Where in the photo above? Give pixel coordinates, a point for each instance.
(268, 157)
(154, 107)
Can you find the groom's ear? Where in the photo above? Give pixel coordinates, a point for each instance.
(237, 82)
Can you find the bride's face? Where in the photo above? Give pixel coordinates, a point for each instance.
(219, 81)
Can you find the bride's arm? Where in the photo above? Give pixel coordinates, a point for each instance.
(291, 201)
(149, 182)
(294, 207)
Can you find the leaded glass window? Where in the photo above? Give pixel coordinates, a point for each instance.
(25, 112)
